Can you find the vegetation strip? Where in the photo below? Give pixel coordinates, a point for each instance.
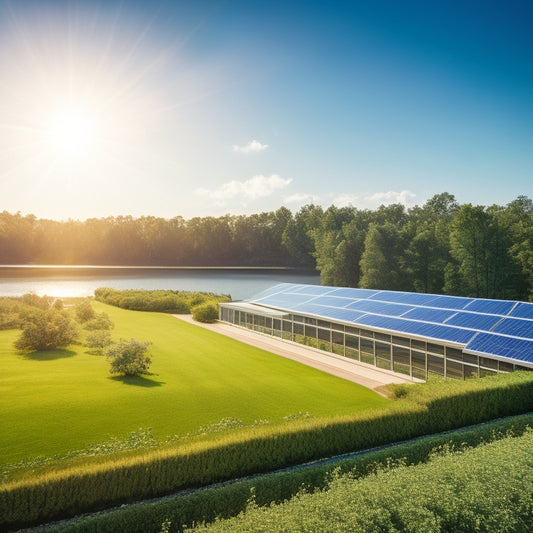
(422, 410)
(231, 497)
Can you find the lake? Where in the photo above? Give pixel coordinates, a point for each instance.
(68, 281)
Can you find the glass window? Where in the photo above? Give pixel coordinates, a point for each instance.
(418, 360)
(454, 369)
(352, 347)
(367, 345)
(382, 337)
(310, 331)
(352, 330)
(486, 362)
(310, 321)
(337, 339)
(336, 326)
(401, 359)
(435, 348)
(470, 359)
(324, 334)
(324, 324)
(382, 350)
(470, 371)
(418, 345)
(298, 329)
(435, 365)
(402, 341)
(505, 367)
(366, 333)
(298, 318)
(454, 353)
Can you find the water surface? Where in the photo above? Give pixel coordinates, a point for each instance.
(61, 281)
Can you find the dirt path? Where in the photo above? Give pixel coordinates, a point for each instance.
(361, 373)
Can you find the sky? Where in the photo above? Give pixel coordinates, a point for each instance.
(206, 108)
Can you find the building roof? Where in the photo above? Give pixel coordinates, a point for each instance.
(501, 329)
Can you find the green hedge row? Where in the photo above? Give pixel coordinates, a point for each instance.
(162, 301)
(229, 500)
(425, 409)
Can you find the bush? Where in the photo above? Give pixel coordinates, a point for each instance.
(98, 340)
(84, 311)
(46, 330)
(100, 321)
(207, 312)
(129, 357)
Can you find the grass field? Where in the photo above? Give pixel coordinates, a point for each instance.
(63, 400)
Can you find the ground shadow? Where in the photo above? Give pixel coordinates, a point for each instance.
(139, 381)
(49, 355)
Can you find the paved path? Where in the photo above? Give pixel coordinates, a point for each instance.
(361, 373)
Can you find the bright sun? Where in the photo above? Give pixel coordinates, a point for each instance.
(71, 132)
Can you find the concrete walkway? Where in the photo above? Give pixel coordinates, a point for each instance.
(361, 373)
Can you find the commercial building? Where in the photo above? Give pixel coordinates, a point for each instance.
(411, 333)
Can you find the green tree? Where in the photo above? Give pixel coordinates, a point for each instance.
(129, 357)
(84, 311)
(46, 329)
(383, 257)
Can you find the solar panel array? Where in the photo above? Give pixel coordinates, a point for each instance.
(500, 328)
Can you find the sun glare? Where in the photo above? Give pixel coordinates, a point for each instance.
(71, 132)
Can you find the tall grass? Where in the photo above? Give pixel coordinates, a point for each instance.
(424, 409)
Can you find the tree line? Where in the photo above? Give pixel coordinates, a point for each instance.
(439, 247)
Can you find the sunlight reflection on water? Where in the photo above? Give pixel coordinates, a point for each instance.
(66, 282)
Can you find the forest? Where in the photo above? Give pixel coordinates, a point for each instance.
(439, 247)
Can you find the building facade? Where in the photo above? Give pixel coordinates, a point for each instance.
(380, 328)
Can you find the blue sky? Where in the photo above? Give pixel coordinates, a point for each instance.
(198, 108)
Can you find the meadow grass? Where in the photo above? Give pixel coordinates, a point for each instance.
(62, 400)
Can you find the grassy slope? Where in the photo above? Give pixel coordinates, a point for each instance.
(63, 400)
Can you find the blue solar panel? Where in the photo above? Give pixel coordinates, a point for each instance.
(518, 327)
(427, 314)
(451, 302)
(494, 307)
(509, 347)
(312, 290)
(283, 300)
(345, 315)
(333, 301)
(523, 310)
(280, 287)
(473, 320)
(380, 308)
(410, 298)
(434, 331)
(348, 292)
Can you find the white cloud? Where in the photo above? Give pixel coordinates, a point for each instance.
(257, 187)
(373, 201)
(252, 146)
(301, 198)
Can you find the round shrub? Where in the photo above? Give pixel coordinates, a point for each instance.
(207, 312)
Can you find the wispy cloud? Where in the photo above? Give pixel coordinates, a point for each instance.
(252, 146)
(373, 201)
(301, 198)
(257, 187)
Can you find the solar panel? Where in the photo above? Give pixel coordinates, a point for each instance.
(333, 301)
(434, 331)
(345, 315)
(410, 298)
(312, 290)
(280, 287)
(517, 327)
(521, 350)
(494, 307)
(348, 292)
(473, 320)
(451, 302)
(380, 308)
(523, 310)
(283, 300)
(428, 314)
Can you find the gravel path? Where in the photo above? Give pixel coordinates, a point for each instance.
(361, 373)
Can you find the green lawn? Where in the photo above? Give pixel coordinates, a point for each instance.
(64, 400)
